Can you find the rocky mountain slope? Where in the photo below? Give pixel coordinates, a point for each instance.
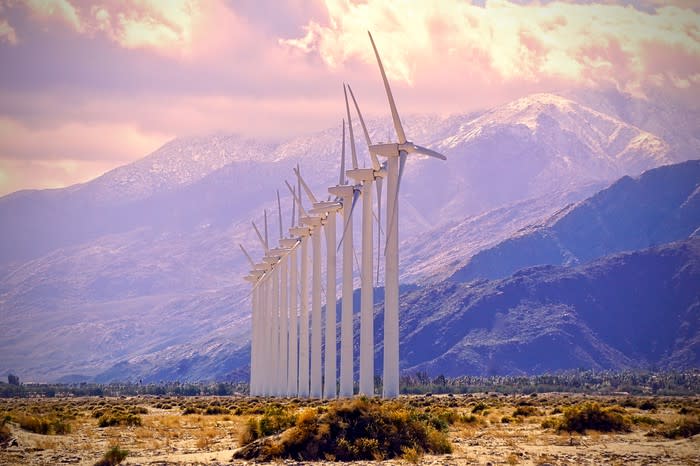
(140, 266)
(631, 310)
(660, 206)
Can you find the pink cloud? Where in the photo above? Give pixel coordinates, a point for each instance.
(144, 71)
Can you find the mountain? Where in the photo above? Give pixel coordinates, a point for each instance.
(660, 206)
(624, 311)
(138, 270)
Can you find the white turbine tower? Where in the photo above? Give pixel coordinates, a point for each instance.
(328, 210)
(302, 232)
(314, 223)
(292, 243)
(396, 154)
(346, 193)
(365, 178)
(253, 278)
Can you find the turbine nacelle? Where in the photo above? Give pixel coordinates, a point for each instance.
(341, 191)
(325, 207)
(300, 231)
(394, 150)
(312, 222)
(262, 267)
(361, 175)
(289, 243)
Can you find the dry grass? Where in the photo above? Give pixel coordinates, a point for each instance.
(661, 429)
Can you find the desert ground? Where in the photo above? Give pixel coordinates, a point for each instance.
(482, 428)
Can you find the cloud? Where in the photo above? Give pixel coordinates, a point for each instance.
(182, 29)
(591, 44)
(103, 83)
(7, 33)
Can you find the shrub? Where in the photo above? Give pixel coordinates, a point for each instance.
(211, 410)
(479, 407)
(647, 405)
(683, 429)
(525, 411)
(5, 434)
(590, 416)
(114, 456)
(646, 420)
(110, 419)
(191, 410)
(359, 429)
(43, 425)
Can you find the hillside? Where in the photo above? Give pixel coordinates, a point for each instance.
(631, 310)
(660, 206)
(139, 268)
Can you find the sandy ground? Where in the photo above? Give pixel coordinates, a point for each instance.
(167, 437)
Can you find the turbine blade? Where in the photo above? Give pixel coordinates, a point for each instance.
(425, 151)
(267, 243)
(307, 190)
(299, 194)
(353, 150)
(262, 241)
(355, 196)
(297, 199)
(279, 210)
(402, 164)
(341, 178)
(394, 113)
(372, 156)
(250, 260)
(294, 204)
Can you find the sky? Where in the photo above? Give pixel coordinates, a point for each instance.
(88, 86)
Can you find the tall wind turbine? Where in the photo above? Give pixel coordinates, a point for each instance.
(314, 223)
(364, 177)
(253, 278)
(303, 232)
(292, 341)
(396, 154)
(346, 194)
(328, 210)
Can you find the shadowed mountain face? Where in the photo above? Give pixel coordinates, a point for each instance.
(137, 273)
(660, 206)
(632, 310)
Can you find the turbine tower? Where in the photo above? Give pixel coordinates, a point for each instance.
(292, 341)
(314, 223)
(365, 178)
(302, 232)
(328, 210)
(347, 195)
(396, 154)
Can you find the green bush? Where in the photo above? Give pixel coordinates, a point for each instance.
(114, 456)
(211, 410)
(110, 419)
(590, 416)
(43, 425)
(525, 411)
(354, 430)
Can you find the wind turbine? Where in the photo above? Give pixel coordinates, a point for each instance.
(253, 277)
(314, 223)
(347, 195)
(292, 341)
(267, 360)
(303, 233)
(396, 154)
(364, 177)
(328, 210)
